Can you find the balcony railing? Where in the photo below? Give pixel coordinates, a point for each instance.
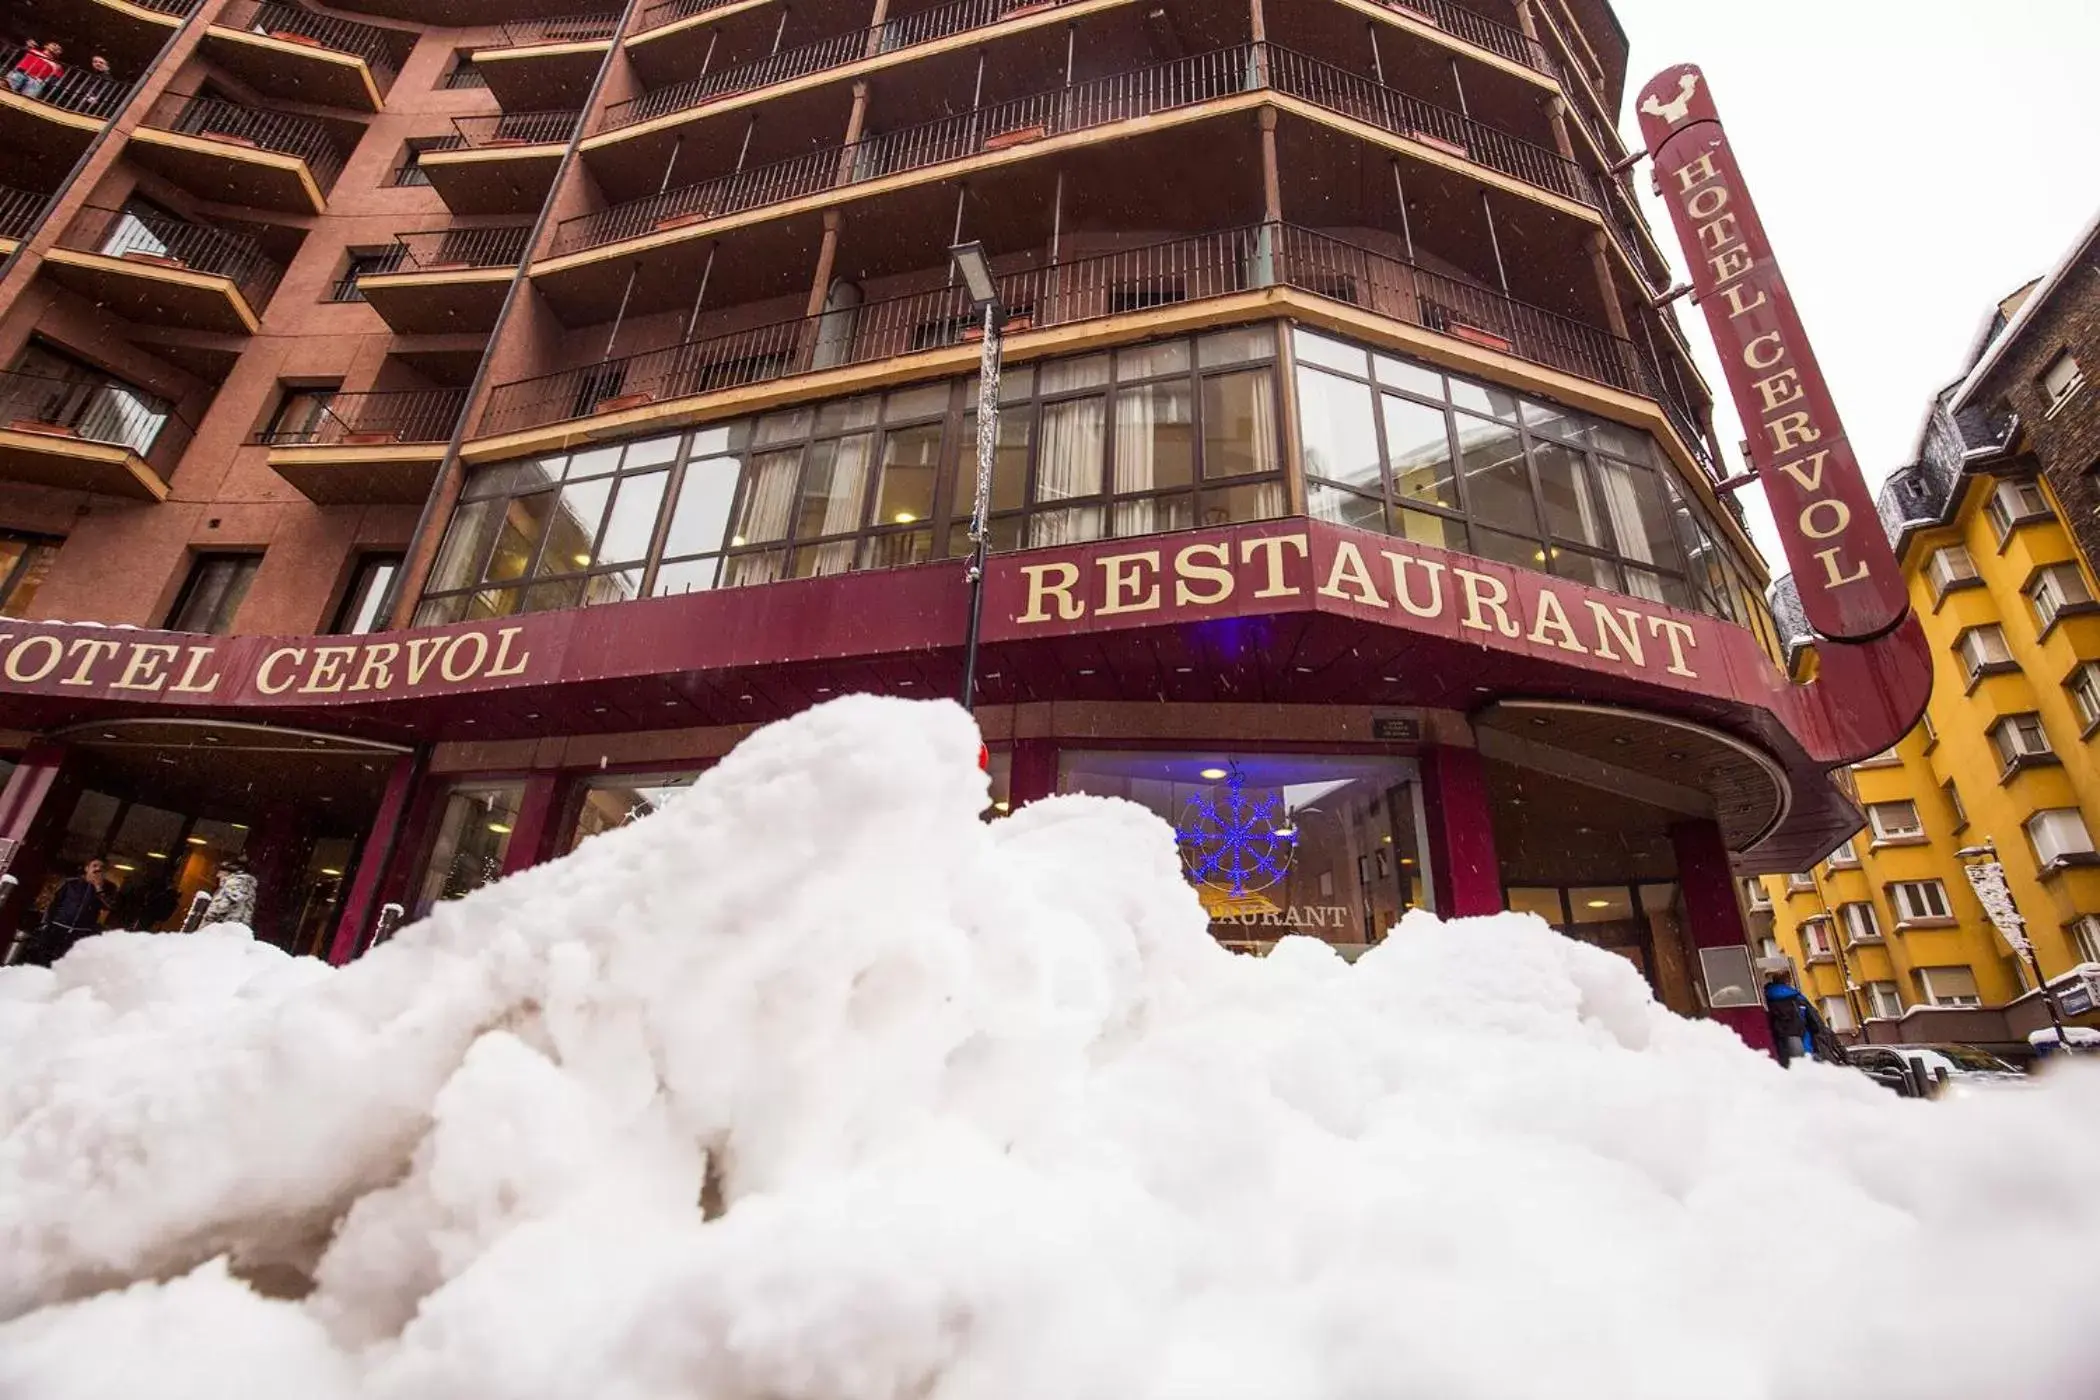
(671, 11)
(167, 7)
(1099, 102)
(102, 410)
(1478, 30)
(381, 49)
(559, 29)
(208, 117)
(1182, 83)
(1350, 95)
(19, 210)
(63, 85)
(512, 129)
(819, 55)
(449, 249)
(155, 240)
(1188, 269)
(375, 419)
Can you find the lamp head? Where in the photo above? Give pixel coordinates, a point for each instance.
(975, 269)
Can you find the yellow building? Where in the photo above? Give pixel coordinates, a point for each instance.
(1886, 936)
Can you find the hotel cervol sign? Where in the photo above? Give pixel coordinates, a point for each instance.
(1851, 587)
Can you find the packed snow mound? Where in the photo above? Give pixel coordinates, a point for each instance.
(815, 1086)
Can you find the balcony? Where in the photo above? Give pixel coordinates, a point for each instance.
(1463, 323)
(230, 154)
(19, 210)
(546, 63)
(368, 448)
(286, 52)
(88, 435)
(502, 164)
(45, 127)
(446, 280)
(160, 271)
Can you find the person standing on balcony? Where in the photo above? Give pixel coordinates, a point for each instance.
(35, 69)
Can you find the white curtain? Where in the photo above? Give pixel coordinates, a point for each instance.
(1137, 468)
(769, 503)
(1622, 502)
(1069, 466)
(844, 485)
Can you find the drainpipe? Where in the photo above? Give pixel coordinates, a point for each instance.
(444, 491)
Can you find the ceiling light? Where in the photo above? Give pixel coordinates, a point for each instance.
(213, 739)
(1598, 904)
(736, 541)
(330, 870)
(1407, 860)
(1286, 833)
(1388, 840)
(156, 855)
(1002, 806)
(196, 840)
(238, 826)
(904, 517)
(499, 828)
(1212, 773)
(120, 865)
(583, 561)
(107, 735)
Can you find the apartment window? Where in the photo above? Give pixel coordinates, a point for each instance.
(300, 413)
(2058, 835)
(1837, 1013)
(1983, 650)
(2056, 589)
(2013, 504)
(1846, 856)
(1949, 986)
(464, 73)
(366, 595)
(1919, 899)
(365, 264)
(1954, 804)
(2019, 740)
(1951, 568)
(1815, 938)
(1397, 447)
(1932, 735)
(212, 594)
(1884, 1002)
(1860, 924)
(2061, 380)
(1887, 758)
(24, 562)
(2084, 685)
(2085, 937)
(410, 169)
(1800, 880)
(1769, 948)
(1895, 821)
(1754, 894)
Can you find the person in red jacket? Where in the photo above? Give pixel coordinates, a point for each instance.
(36, 68)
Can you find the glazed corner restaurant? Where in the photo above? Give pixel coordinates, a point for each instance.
(1377, 619)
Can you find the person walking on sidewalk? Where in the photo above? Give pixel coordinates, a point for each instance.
(75, 912)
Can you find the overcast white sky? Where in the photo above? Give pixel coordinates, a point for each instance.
(1913, 163)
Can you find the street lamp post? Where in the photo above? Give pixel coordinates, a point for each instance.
(975, 270)
(1987, 877)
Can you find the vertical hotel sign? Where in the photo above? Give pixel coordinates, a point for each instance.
(1851, 587)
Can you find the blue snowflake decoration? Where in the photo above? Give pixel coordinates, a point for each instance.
(1236, 842)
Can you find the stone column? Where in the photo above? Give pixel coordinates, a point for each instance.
(1461, 833)
(368, 880)
(1714, 919)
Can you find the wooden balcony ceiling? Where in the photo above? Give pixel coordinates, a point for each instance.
(227, 173)
(38, 142)
(40, 455)
(541, 77)
(292, 68)
(672, 52)
(460, 14)
(438, 302)
(153, 291)
(348, 475)
(494, 179)
(630, 163)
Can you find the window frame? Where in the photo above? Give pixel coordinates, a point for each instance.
(247, 563)
(2083, 684)
(1934, 997)
(1948, 580)
(39, 552)
(2050, 601)
(1818, 941)
(1885, 836)
(2055, 396)
(2066, 856)
(2083, 934)
(2007, 518)
(2029, 744)
(1879, 996)
(1860, 920)
(1976, 669)
(1913, 911)
(362, 570)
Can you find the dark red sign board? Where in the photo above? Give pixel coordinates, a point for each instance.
(1850, 584)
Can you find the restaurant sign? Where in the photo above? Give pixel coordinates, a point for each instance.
(1851, 587)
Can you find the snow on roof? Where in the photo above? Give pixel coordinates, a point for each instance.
(2030, 307)
(816, 1085)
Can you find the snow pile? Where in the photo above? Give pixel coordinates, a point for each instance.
(815, 1087)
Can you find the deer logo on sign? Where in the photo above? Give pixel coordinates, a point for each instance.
(1678, 109)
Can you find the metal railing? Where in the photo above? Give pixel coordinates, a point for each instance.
(671, 11)
(301, 137)
(1351, 95)
(168, 7)
(446, 249)
(104, 410)
(512, 129)
(1478, 30)
(820, 54)
(558, 29)
(151, 237)
(375, 418)
(69, 87)
(19, 210)
(1119, 97)
(1188, 269)
(381, 49)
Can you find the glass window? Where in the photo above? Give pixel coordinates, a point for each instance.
(1274, 844)
(1983, 649)
(1860, 924)
(25, 560)
(1497, 487)
(1894, 820)
(213, 593)
(2055, 588)
(1949, 568)
(911, 460)
(607, 802)
(1573, 510)
(2058, 834)
(1920, 899)
(1418, 444)
(1239, 425)
(2084, 685)
(2061, 379)
(2018, 737)
(1312, 349)
(360, 613)
(633, 518)
(1949, 986)
(473, 837)
(573, 527)
(1340, 437)
(1155, 438)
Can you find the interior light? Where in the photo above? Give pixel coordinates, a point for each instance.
(1599, 904)
(1002, 806)
(1407, 860)
(156, 855)
(330, 870)
(582, 560)
(736, 541)
(1388, 840)
(238, 826)
(1286, 833)
(196, 840)
(904, 517)
(122, 866)
(1212, 773)
(499, 828)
